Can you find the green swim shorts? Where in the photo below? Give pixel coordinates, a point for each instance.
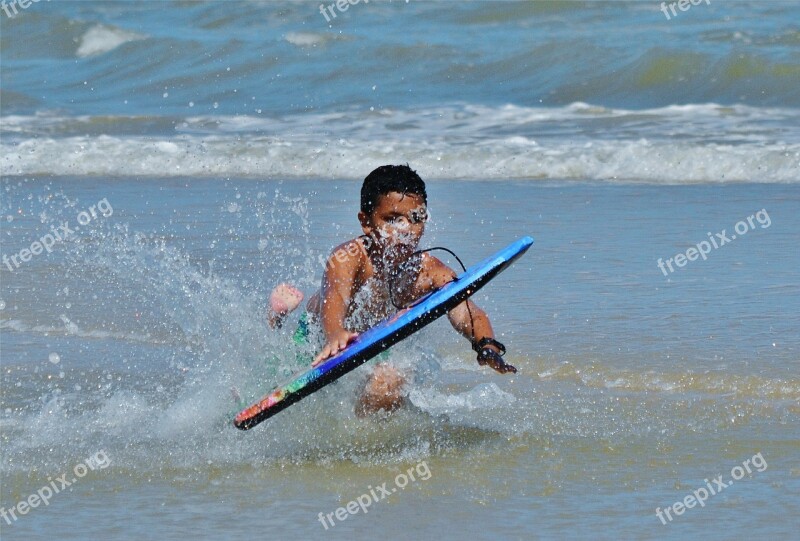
(301, 334)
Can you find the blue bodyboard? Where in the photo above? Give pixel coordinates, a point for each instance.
(383, 335)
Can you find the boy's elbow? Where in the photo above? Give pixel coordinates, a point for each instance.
(448, 276)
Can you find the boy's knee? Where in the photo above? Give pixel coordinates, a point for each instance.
(383, 391)
(387, 377)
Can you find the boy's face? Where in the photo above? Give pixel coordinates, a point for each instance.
(396, 224)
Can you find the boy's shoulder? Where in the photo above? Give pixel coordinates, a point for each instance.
(349, 251)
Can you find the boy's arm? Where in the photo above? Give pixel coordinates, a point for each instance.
(337, 289)
(469, 320)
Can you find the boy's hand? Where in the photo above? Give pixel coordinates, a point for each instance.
(336, 343)
(491, 356)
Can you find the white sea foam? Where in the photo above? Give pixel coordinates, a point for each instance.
(636, 161)
(686, 144)
(305, 39)
(71, 329)
(485, 395)
(100, 39)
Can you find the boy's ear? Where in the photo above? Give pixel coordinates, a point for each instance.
(366, 224)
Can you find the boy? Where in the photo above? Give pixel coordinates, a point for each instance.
(367, 278)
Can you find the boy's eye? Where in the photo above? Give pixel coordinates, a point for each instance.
(399, 222)
(414, 217)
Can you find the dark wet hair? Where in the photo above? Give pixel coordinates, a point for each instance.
(390, 178)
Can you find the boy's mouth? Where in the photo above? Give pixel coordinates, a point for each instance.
(400, 241)
(397, 248)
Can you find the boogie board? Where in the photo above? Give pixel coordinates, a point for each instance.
(383, 335)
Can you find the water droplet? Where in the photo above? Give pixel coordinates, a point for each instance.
(54, 358)
(2, 304)
(166, 95)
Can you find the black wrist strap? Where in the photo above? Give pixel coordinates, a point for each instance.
(478, 345)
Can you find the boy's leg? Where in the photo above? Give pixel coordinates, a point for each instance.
(300, 339)
(282, 301)
(383, 391)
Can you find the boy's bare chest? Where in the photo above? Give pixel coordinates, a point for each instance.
(382, 290)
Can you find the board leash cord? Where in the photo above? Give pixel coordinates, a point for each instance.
(463, 269)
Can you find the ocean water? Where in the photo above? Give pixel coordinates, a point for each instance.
(609, 91)
(200, 152)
